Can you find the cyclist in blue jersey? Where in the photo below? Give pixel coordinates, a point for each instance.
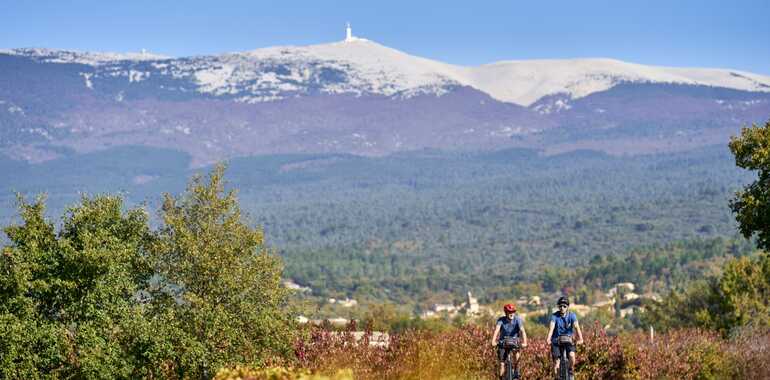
(563, 323)
(509, 326)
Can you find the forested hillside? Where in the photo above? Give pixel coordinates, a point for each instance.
(409, 227)
(418, 226)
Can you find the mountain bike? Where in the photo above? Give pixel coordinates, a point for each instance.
(510, 345)
(564, 342)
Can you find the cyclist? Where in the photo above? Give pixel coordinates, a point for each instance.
(563, 322)
(509, 326)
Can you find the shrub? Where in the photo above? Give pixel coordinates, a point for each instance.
(751, 347)
(465, 353)
(680, 354)
(278, 373)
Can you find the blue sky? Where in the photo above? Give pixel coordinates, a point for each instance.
(724, 34)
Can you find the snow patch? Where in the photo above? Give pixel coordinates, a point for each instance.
(14, 109)
(508, 132)
(552, 107)
(87, 77)
(39, 131)
(137, 76)
(86, 58)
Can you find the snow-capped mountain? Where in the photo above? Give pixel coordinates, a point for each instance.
(360, 97)
(362, 66)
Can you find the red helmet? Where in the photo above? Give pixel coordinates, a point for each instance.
(509, 308)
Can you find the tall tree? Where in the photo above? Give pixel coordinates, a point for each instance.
(752, 204)
(227, 307)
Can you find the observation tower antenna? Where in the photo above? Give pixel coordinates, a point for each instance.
(348, 34)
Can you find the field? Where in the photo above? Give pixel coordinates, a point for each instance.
(465, 353)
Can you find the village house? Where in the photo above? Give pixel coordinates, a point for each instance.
(470, 307)
(289, 284)
(347, 302)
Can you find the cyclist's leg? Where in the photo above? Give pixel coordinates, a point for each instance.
(572, 359)
(555, 356)
(502, 354)
(516, 356)
(501, 358)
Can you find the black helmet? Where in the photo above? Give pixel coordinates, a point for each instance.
(563, 301)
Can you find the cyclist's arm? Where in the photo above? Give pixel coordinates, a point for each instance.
(551, 326)
(496, 335)
(523, 336)
(579, 332)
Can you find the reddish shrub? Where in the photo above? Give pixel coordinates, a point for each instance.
(466, 353)
(680, 354)
(751, 349)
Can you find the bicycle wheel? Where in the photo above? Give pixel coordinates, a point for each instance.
(563, 364)
(508, 366)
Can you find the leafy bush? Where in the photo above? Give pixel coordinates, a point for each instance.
(680, 354)
(738, 297)
(751, 348)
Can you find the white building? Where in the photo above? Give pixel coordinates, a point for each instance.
(338, 321)
(348, 302)
(349, 35)
(289, 284)
(472, 307)
(448, 307)
(623, 287)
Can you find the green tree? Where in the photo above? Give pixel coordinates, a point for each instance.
(735, 299)
(752, 204)
(742, 293)
(226, 304)
(106, 297)
(69, 305)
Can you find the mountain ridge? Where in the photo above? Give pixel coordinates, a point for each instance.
(378, 69)
(359, 98)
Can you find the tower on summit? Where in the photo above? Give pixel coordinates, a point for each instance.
(348, 34)
(349, 37)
